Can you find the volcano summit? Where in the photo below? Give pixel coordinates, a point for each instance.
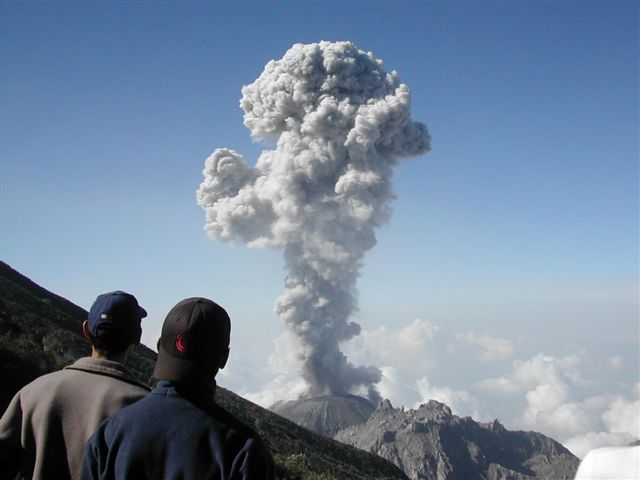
(326, 414)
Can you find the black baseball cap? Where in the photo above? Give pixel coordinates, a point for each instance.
(117, 315)
(194, 334)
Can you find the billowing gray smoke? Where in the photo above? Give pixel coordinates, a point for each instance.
(341, 123)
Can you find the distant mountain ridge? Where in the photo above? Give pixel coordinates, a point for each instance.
(41, 332)
(430, 443)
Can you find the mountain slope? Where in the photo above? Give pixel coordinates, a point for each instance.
(41, 332)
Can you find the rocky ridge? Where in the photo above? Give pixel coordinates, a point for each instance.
(430, 443)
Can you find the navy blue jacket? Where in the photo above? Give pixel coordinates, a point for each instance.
(174, 433)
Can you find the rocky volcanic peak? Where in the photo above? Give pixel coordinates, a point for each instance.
(326, 414)
(432, 443)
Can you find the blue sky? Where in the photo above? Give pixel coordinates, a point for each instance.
(521, 225)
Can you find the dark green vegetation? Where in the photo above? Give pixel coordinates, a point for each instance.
(41, 332)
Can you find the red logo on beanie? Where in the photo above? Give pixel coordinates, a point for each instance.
(182, 342)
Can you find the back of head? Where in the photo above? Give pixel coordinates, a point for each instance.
(114, 322)
(194, 342)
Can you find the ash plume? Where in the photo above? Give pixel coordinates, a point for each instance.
(340, 123)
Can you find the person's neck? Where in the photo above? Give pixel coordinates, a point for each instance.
(204, 383)
(119, 357)
(197, 392)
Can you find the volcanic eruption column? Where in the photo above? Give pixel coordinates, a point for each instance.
(341, 122)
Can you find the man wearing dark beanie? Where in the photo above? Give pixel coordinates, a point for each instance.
(178, 431)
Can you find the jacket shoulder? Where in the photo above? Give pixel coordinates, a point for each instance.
(107, 368)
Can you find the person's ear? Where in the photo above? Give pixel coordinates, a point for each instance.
(224, 356)
(85, 330)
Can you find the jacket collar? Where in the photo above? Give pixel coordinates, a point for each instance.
(196, 394)
(109, 368)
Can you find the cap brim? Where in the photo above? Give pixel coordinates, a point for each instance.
(178, 370)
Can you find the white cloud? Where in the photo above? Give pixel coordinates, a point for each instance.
(544, 393)
(539, 370)
(404, 355)
(282, 370)
(551, 388)
(460, 402)
(491, 348)
(280, 388)
(614, 421)
(397, 387)
(548, 411)
(623, 416)
(405, 349)
(616, 362)
(581, 444)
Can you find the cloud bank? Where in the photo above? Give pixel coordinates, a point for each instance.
(560, 396)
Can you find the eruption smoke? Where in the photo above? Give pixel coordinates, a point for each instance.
(341, 123)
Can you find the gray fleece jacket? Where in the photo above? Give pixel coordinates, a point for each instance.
(45, 427)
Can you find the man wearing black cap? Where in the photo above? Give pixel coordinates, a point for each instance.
(178, 431)
(44, 430)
